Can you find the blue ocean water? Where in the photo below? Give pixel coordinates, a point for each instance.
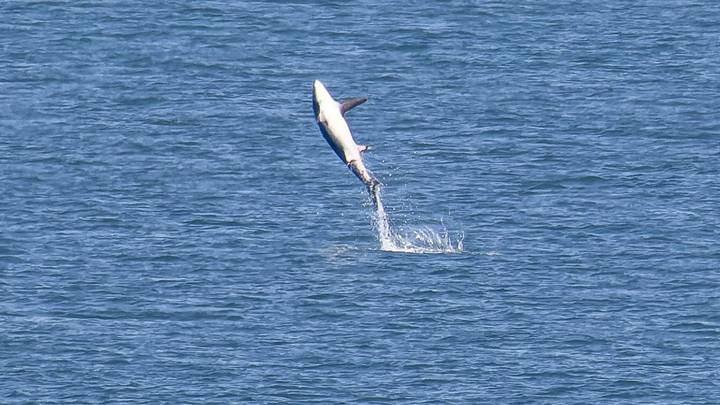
(174, 228)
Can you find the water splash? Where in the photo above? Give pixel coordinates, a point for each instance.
(414, 240)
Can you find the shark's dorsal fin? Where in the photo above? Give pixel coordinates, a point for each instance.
(347, 105)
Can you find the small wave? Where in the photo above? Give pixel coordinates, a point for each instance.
(423, 240)
(415, 240)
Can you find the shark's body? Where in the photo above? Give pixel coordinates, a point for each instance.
(329, 115)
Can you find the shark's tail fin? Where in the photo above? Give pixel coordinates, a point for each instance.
(373, 187)
(372, 184)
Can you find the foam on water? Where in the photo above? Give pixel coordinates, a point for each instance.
(412, 240)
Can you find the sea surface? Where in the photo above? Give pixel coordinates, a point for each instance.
(175, 230)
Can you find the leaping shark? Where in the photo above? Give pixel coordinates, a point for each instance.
(329, 115)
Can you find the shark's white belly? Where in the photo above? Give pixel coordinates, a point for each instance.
(339, 132)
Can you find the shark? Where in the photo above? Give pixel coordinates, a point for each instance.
(330, 117)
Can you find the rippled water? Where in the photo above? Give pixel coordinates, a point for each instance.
(176, 230)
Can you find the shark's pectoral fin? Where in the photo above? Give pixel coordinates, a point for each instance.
(363, 148)
(347, 105)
